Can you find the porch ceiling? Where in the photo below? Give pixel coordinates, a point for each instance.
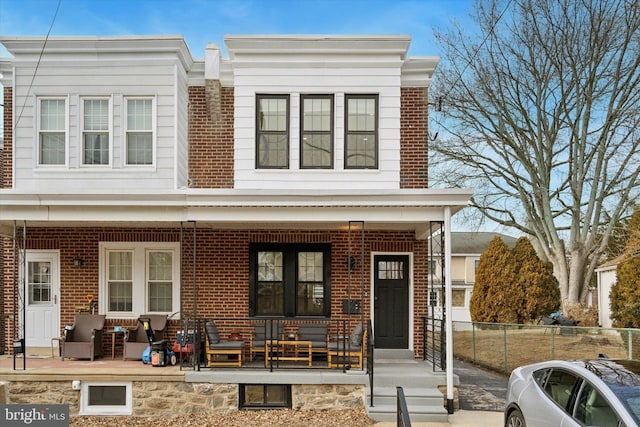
(407, 210)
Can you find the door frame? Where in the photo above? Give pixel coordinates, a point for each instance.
(52, 255)
(372, 291)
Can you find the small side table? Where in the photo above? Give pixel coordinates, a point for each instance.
(115, 333)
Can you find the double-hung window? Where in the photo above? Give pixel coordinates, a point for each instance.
(52, 131)
(316, 132)
(95, 131)
(139, 128)
(272, 131)
(290, 280)
(140, 278)
(361, 132)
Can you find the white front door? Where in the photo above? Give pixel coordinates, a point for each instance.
(43, 297)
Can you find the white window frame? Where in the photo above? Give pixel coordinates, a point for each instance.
(125, 142)
(140, 301)
(86, 409)
(109, 131)
(39, 131)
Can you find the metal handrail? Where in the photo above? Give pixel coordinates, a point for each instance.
(370, 359)
(402, 419)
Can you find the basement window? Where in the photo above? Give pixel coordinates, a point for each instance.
(265, 396)
(105, 398)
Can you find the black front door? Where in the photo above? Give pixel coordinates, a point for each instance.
(391, 301)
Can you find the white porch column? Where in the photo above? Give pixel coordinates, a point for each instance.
(448, 308)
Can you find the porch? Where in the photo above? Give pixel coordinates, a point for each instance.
(174, 390)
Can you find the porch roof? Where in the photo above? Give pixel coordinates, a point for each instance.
(392, 210)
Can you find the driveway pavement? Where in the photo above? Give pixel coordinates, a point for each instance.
(480, 389)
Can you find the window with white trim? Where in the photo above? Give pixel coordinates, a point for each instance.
(97, 398)
(316, 132)
(139, 131)
(95, 131)
(52, 131)
(139, 278)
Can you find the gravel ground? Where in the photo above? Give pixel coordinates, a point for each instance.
(270, 418)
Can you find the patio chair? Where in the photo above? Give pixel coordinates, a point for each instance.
(136, 339)
(348, 351)
(317, 334)
(83, 339)
(270, 330)
(221, 353)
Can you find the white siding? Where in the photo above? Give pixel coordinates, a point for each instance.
(111, 78)
(315, 79)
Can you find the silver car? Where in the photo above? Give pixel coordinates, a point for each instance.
(601, 392)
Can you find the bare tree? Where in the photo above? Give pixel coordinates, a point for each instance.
(541, 116)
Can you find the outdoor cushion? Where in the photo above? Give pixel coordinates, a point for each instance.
(227, 345)
(316, 333)
(356, 336)
(212, 332)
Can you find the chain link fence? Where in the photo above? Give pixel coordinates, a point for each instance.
(503, 347)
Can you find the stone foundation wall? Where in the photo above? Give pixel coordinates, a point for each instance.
(167, 399)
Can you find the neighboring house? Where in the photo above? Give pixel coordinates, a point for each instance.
(606, 276)
(260, 184)
(466, 248)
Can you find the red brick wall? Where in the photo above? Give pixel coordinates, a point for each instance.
(413, 138)
(6, 154)
(210, 140)
(222, 272)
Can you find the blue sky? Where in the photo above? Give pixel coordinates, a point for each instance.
(206, 21)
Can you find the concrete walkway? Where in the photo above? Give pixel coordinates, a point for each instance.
(462, 418)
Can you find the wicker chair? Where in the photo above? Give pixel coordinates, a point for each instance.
(83, 340)
(136, 339)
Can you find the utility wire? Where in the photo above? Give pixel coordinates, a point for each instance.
(35, 72)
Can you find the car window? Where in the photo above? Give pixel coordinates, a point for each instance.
(540, 376)
(559, 386)
(593, 410)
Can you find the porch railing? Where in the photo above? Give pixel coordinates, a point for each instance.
(370, 358)
(434, 343)
(191, 341)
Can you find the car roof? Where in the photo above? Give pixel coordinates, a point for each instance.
(615, 373)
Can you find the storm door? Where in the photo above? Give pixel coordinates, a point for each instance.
(42, 298)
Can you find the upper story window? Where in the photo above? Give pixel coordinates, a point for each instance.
(272, 128)
(316, 132)
(361, 132)
(139, 128)
(52, 132)
(95, 132)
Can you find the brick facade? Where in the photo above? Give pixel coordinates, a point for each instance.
(413, 138)
(222, 273)
(6, 155)
(210, 136)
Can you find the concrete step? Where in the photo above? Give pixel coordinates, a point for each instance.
(413, 396)
(416, 413)
(391, 353)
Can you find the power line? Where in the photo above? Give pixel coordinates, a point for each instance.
(35, 72)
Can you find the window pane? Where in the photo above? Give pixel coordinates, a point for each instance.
(161, 281)
(273, 150)
(139, 149)
(310, 266)
(362, 114)
(52, 148)
(272, 114)
(361, 150)
(391, 270)
(96, 114)
(96, 149)
(120, 285)
(317, 114)
(270, 300)
(457, 297)
(52, 114)
(316, 150)
(139, 114)
(270, 266)
(107, 395)
(120, 296)
(310, 299)
(39, 282)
